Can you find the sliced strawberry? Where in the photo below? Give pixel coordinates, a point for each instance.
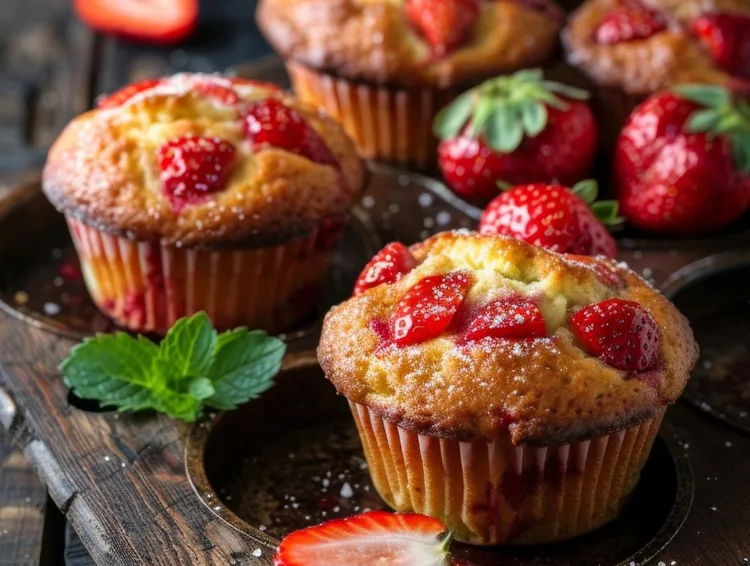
(121, 96)
(622, 333)
(217, 91)
(727, 39)
(426, 310)
(159, 21)
(271, 123)
(387, 266)
(629, 22)
(192, 167)
(376, 537)
(444, 23)
(513, 317)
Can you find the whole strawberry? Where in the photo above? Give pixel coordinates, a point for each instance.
(518, 129)
(554, 217)
(682, 161)
(726, 37)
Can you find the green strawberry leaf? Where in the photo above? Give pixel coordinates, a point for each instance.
(702, 121)
(528, 76)
(741, 151)
(606, 211)
(451, 119)
(484, 109)
(504, 185)
(534, 117)
(567, 91)
(587, 190)
(711, 96)
(504, 132)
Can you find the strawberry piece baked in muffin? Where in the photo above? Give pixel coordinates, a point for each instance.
(384, 68)
(201, 192)
(633, 48)
(512, 392)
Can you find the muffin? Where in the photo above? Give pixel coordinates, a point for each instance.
(512, 392)
(199, 192)
(630, 49)
(384, 69)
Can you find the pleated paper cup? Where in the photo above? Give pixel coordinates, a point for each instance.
(490, 493)
(148, 286)
(388, 124)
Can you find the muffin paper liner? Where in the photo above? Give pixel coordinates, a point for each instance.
(490, 493)
(386, 123)
(147, 286)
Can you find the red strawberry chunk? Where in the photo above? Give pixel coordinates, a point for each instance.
(513, 317)
(388, 266)
(121, 96)
(629, 22)
(272, 123)
(377, 537)
(426, 310)
(727, 39)
(192, 167)
(217, 91)
(444, 23)
(622, 333)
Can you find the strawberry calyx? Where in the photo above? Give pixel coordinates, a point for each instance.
(722, 113)
(604, 210)
(505, 109)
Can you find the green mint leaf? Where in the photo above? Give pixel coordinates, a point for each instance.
(504, 131)
(451, 119)
(702, 121)
(179, 405)
(187, 350)
(711, 96)
(244, 367)
(568, 91)
(534, 117)
(587, 190)
(113, 369)
(200, 388)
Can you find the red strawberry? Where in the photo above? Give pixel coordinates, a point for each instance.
(444, 23)
(426, 310)
(622, 333)
(377, 537)
(215, 90)
(518, 130)
(514, 317)
(124, 94)
(270, 122)
(554, 217)
(682, 161)
(192, 167)
(628, 22)
(150, 20)
(388, 266)
(727, 38)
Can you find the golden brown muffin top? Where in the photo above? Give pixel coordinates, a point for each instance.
(548, 390)
(644, 66)
(374, 41)
(106, 167)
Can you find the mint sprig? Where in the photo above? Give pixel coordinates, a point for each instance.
(194, 367)
(505, 109)
(722, 114)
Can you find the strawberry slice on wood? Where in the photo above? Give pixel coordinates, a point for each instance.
(512, 317)
(158, 21)
(726, 37)
(427, 309)
(377, 537)
(387, 266)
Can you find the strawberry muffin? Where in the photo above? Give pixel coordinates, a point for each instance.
(384, 68)
(199, 192)
(512, 392)
(632, 48)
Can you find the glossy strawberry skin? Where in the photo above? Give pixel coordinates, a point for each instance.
(512, 317)
(622, 333)
(427, 309)
(121, 96)
(387, 266)
(628, 22)
(193, 167)
(376, 537)
(726, 37)
(564, 150)
(444, 23)
(549, 216)
(271, 123)
(672, 182)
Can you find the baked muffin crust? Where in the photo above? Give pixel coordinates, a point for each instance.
(372, 39)
(548, 390)
(641, 67)
(103, 170)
